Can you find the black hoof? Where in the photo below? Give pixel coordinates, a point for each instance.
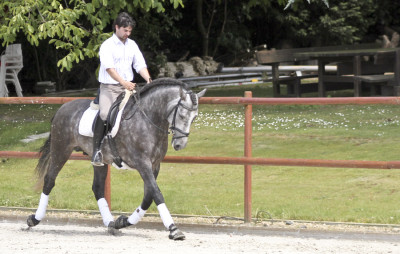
(111, 228)
(122, 222)
(175, 233)
(32, 221)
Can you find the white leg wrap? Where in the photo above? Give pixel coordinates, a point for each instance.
(105, 211)
(136, 216)
(165, 215)
(41, 211)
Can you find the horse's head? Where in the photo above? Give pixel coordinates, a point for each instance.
(182, 112)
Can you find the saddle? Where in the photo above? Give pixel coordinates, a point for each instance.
(117, 106)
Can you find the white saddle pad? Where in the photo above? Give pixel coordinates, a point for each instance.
(86, 122)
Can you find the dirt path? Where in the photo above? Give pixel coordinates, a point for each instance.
(69, 234)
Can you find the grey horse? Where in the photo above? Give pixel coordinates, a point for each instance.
(141, 141)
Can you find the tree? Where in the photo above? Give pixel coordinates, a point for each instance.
(291, 2)
(217, 14)
(68, 33)
(345, 22)
(74, 27)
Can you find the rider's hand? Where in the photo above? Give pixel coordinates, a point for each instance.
(129, 85)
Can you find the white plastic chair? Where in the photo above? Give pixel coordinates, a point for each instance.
(11, 64)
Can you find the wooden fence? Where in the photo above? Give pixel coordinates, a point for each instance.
(247, 160)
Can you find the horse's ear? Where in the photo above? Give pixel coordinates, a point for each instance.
(182, 93)
(201, 94)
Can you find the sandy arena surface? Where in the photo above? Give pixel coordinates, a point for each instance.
(73, 232)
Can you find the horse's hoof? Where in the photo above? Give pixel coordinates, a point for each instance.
(175, 233)
(121, 222)
(111, 228)
(32, 221)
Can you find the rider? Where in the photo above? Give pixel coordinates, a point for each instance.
(118, 54)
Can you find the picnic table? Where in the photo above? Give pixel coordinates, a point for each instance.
(381, 68)
(294, 80)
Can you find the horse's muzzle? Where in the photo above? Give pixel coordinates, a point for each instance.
(179, 144)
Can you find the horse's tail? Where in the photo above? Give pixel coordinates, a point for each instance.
(43, 164)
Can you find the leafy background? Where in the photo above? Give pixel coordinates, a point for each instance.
(61, 38)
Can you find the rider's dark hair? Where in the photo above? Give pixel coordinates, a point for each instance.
(124, 20)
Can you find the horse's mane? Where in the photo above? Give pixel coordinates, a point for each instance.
(160, 83)
(147, 89)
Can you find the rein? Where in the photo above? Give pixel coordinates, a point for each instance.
(137, 97)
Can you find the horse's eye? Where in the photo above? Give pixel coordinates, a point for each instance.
(182, 117)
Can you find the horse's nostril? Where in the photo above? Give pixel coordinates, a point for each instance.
(177, 147)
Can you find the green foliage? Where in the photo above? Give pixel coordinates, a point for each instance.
(224, 26)
(75, 27)
(291, 2)
(67, 33)
(345, 22)
(155, 33)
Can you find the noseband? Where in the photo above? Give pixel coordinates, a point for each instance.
(173, 128)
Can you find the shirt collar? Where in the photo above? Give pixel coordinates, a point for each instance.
(116, 40)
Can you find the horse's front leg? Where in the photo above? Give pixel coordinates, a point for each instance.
(135, 217)
(174, 232)
(139, 213)
(151, 192)
(99, 179)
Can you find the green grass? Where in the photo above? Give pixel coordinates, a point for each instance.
(344, 132)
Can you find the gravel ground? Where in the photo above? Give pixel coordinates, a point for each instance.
(77, 232)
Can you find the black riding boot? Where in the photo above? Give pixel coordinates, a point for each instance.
(98, 134)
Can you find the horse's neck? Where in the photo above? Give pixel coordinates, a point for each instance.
(156, 103)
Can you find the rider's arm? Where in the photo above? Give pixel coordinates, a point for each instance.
(144, 72)
(114, 74)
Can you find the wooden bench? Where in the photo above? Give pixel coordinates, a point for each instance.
(377, 82)
(275, 58)
(294, 82)
(373, 74)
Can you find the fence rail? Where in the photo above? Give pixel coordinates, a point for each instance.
(230, 100)
(247, 160)
(240, 161)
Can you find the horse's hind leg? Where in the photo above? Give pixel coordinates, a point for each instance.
(57, 161)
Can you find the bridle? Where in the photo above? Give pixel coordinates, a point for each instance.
(173, 128)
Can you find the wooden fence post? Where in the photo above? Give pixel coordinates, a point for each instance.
(247, 153)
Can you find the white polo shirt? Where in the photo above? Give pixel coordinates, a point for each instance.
(115, 54)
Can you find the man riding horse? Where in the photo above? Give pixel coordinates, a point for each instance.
(118, 54)
(141, 138)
